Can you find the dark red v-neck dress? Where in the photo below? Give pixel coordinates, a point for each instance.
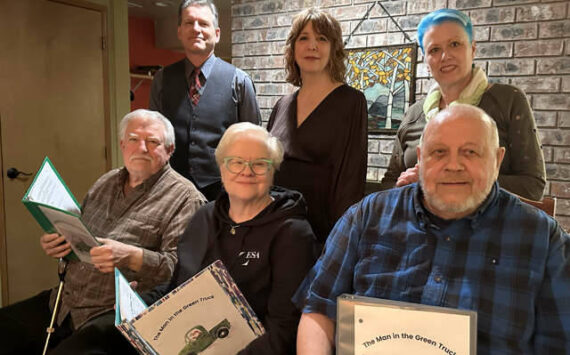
(325, 157)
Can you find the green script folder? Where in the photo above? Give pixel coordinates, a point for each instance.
(52, 204)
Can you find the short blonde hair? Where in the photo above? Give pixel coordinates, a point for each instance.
(326, 25)
(274, 146)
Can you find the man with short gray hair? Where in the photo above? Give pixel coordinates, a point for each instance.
(202, 95)
(454, 240)
(137, 213)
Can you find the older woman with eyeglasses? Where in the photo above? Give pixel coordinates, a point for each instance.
(260, 233)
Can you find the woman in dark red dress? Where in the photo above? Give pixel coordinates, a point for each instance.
(323, 125)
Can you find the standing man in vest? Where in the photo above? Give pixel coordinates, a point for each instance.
(201, 95)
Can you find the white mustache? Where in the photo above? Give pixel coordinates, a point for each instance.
(142, 157)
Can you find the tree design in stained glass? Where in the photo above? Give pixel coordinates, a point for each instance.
(386, 76)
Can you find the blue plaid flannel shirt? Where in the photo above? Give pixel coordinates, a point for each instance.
(508, 261)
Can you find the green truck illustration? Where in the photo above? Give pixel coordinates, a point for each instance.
(199, 339)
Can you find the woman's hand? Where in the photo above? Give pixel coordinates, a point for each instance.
(55, 245)
(409, 176)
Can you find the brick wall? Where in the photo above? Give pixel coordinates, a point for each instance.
(520, 42)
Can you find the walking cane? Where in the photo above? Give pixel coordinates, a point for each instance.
(61, 268)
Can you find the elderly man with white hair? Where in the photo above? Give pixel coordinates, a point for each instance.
(137, 213)
(455, 240)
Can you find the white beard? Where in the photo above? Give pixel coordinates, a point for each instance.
(469, 204)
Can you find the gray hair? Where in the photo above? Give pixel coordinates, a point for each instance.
(154, 116)
(477, 113)
(185, 3)
(239, 129)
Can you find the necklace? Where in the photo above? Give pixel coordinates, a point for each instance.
(234, 226)
(233, 229)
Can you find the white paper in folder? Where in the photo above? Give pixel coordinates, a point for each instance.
(367, 326)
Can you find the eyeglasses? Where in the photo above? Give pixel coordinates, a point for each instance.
(236, 165)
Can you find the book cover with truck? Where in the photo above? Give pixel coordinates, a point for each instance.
(207, 314)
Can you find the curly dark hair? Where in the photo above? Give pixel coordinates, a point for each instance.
(326, 25)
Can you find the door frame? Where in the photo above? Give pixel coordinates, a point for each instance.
(103, 10)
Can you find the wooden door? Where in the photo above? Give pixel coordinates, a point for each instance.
(52, 102)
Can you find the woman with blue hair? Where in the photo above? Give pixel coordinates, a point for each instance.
(446, 39)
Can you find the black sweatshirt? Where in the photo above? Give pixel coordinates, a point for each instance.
(268, 257)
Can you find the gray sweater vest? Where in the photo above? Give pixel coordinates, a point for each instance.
(198, 130)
